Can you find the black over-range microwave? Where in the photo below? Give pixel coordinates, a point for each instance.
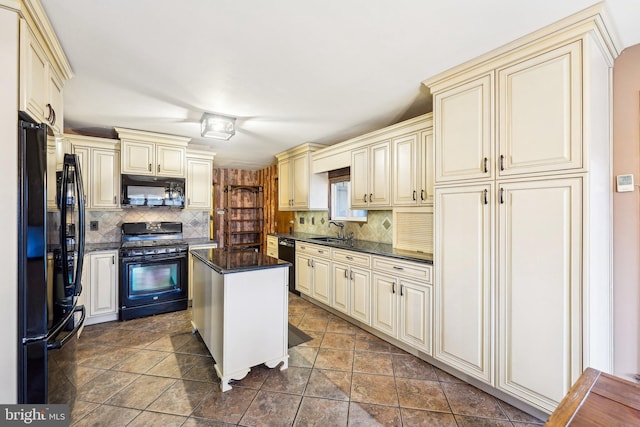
(152, 191)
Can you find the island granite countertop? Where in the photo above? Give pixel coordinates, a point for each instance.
(374, 248)
(225, 262)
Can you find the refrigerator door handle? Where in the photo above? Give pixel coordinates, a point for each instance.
(81, 224)
(59, 344)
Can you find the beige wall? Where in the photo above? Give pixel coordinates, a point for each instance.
(626, 213)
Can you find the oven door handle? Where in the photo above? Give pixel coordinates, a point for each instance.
(125, 260)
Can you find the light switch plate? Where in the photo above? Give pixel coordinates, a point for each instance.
(624, 183)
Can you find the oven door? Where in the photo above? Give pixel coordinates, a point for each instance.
(152, 280)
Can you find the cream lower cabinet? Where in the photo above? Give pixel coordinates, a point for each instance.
(272, 246)
(402, 307)
(463, 281)
(539, 304)
(313, 271)
(351, 284)
(100, 286)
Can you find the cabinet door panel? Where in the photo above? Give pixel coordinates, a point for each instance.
(170, 161)
(300, 184)
(341, 284)
(105, 179)
(415, 315)
(462, 129)
(405, 170)
(104, 284)
(284, 185)
(540, 110)
(55, 98)
(33, 75)
(138, 158)
(321, 280)
(83, 160)
(199, 183)
(463, 263)
(51, 178)
(427, 168)
(360, 178)
(380, 175)
(303, 274)
(360, 302)
(385, 304)
(539, 256)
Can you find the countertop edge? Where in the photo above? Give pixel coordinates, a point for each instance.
(219, 269)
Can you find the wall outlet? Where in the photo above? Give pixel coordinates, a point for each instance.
(93, 225)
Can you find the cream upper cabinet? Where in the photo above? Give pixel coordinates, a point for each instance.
(540, 301)
(463, 291)
(199, 180)
(152, 154)
(371, 176)
(298, 188)
(99, 160)
(413, 168)
(539, 112)
(463, 131)
(41, 87)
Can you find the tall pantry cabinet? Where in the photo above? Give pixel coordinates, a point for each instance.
(523, 185)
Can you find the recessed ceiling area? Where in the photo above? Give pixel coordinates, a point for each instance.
(289, 71)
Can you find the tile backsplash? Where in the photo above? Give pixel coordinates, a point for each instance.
(195, 224)
(378, 228)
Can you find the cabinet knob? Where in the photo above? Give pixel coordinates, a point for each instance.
(149, 167)
(158, 167)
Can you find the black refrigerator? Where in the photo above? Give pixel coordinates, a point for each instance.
(46, 329)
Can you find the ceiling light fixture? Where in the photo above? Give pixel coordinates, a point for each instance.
(217, 126)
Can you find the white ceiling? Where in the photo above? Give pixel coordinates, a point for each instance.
(291, 71)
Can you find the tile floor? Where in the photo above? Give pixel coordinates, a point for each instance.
(155, 372)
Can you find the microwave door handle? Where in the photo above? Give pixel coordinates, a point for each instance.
(81, 226)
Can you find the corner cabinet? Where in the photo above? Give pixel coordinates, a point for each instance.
(199, 179)
(152, 154)
(298, 188)
(100, 166)
(243, 217)
(100, 286)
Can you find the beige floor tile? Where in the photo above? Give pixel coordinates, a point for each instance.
(339, 341)
(371, 343)
(322, 412)
(372, 363)
(417, 417)
(421, 394)
(467, 421)
(367, 415)
(408, 366)
(176, 365)
(79, 409)
(329, 358)
(108, 416)
(315, 324)
(303, 357)
(292, 380)
(329, 384)
(271, 409)
(147, 419)
(169, 342)
(142, 392)
(141, 361)
(255, 378)
(226, 407)
(340, 326)
(182, 397)
(516, 415)
(468, 400)
(376, 389)
(316, 339)
(104, 386)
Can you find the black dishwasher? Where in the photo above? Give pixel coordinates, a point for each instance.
(287, 252)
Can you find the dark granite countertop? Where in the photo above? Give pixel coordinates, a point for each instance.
(94, 247)
(374, 248)
(200, 241)
(226, 262)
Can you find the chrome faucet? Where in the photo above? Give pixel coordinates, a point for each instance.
(341, 231)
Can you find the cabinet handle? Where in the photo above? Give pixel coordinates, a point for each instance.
(370, 197)
(501, 162)
(502, 196)
(49, 117)
(486, 164)
(395, 267)
(308, 263)
(114, 200)
(393, 287)
(401, 288)
(320, 251)
(149, 167)
(486, 200)
(351, 275)
(313, 264)
(53, 122)
(364, 199)
(158, 167)
(349, 257)
(113, 259)
(422, 195)
(414, 194)
(345, 274)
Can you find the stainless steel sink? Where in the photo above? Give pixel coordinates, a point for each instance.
(334, 240)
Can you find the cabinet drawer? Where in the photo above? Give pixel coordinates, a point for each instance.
(273, 253)
(351, 258)
(272, 243)
(314, 250)
(412, 270)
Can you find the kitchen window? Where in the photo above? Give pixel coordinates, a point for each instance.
(340, 196)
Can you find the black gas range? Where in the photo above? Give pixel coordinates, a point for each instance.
(153, 266)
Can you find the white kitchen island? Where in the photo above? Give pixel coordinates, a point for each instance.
(240, 309)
